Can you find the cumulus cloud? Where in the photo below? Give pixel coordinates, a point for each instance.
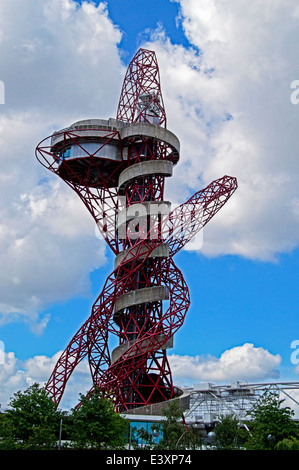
(45, 250)
(39, 368)
(59, 57)
(245, 362)
(59, 63)
(16, 375)
(228, 100)
(12, 379)
(296, 369)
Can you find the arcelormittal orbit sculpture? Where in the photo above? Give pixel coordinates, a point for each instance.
(118, 168)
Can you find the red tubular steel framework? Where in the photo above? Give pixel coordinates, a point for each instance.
(118, 168)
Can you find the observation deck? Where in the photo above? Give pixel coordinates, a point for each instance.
(94, 152)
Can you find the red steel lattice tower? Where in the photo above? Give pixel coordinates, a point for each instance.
(118, 169)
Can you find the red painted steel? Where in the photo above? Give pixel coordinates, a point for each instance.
(142, 78)
(138, 371)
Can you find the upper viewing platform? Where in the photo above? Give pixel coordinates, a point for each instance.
(92, 129)
(93, 152)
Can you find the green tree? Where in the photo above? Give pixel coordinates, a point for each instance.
(142, 439)
(175, 435)
(31, 421)
(271, 423)
(228, 434)
(288, 444)
(7, 441)
(95, 424)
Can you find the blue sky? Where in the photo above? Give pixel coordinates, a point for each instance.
(243, 280)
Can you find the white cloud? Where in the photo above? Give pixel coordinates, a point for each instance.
(59, 56)
(12, 379)
(44, 239)
(243, 363)
(59, 63)
(228, 101)
(16, 375)
(246, 363)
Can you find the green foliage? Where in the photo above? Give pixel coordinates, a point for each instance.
(95, 425)
(7, 441)
(288, 444)
(271, 423)
(228, 434)
(31, 421)
(175, 435)
(142, 439)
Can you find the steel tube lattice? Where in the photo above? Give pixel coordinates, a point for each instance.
(118, 169)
